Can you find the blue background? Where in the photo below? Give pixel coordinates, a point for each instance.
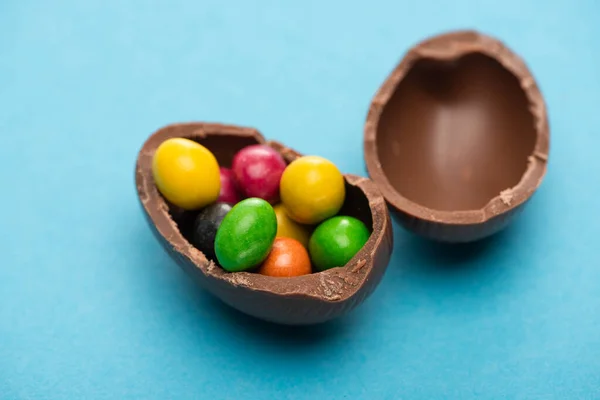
(91, 307)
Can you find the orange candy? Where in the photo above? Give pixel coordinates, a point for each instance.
(287, 258)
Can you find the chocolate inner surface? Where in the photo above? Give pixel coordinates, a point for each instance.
(456, 133)
(224, 147)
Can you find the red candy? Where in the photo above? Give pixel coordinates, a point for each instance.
(257, 170)
(228, 192)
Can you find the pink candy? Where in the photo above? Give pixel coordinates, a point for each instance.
(257, 170)
(228, 192)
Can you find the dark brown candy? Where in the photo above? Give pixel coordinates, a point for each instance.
(300, 300)
(457, 137)
(206, 225)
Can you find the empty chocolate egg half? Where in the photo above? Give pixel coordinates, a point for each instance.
(457, 137)
(301, 300)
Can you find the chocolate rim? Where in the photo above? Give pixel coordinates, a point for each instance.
(334, 285)
(446, 47)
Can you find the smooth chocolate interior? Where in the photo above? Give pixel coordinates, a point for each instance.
(224, 147)
(456, 133)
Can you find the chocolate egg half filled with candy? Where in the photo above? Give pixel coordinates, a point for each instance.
(457, 137)
(299, 300)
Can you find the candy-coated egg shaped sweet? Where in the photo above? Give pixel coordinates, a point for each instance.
(229, 192)
(186, 173)
(257, 170)
(206, 225)
(287, 227)
(336, 240)
(287, 258)
(312, 189)
(246, 235)
(301, 300)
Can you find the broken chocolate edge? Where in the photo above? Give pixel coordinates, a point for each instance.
(454, 45)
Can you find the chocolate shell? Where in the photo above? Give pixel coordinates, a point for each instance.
(302, 300)
(457, 137)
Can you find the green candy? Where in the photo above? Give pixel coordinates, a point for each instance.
(245, 237)
(336, 241)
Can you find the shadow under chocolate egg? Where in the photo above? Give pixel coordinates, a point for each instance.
(456, 133)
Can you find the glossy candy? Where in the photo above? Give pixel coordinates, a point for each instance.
(246, 235)
(257, 170)
(287, 227)
(186, 173)
(312, 189)
(229, 193)
(287, 258)
(205, 228)
(335, 241)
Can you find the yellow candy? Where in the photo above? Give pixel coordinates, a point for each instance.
(286, 227)
(186, 173)
(312, 189)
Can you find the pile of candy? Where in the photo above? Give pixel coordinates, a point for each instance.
(261, 215)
